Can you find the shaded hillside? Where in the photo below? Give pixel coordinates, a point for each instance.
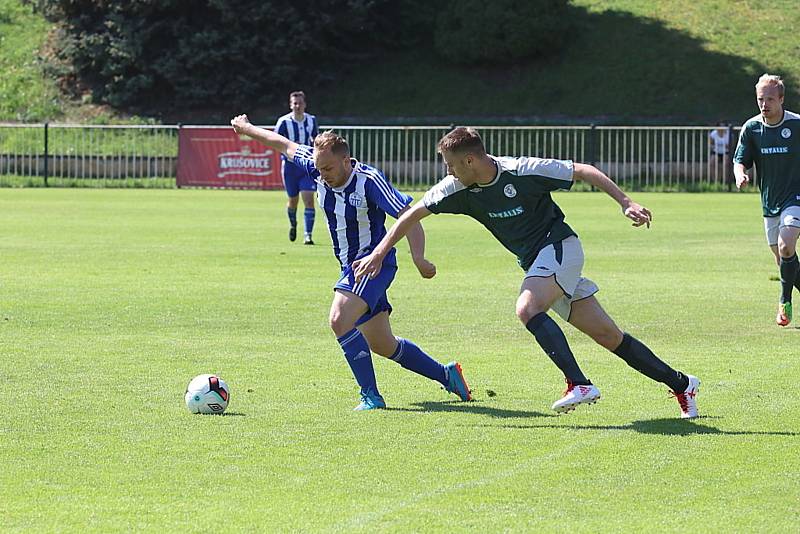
(680, 61)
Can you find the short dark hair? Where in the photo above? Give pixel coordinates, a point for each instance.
(462, 140)
(332, 141)
(297, 94)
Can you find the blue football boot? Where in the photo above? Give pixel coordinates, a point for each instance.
(370, 400)
(456, 383)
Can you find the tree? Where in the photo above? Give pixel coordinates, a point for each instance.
(196, 53)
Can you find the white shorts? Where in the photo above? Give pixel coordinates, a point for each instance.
(564, 260)
(772, 225)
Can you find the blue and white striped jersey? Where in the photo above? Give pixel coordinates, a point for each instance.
(355, 212)
(302, 132)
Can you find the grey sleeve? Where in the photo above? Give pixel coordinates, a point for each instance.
(442, 198)
(551, 173)
(559, 169)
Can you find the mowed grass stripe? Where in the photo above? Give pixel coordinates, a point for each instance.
(112, 300)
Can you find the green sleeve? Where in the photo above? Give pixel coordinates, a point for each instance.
(744, 148)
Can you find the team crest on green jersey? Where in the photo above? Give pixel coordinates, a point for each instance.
(510, 191)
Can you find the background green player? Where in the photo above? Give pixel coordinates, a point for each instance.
(771, 141)
(511, 198)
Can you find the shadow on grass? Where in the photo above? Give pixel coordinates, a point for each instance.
(234, 414)
(468, 407)
(667, 427)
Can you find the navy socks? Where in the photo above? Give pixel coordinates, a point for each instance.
(789, 268)
(637, 355)
(551, 338)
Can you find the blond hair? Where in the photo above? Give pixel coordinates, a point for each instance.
(462, 140)
(773, 80)
(330, 140)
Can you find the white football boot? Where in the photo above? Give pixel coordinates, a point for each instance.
(575, 395)
(688, 399)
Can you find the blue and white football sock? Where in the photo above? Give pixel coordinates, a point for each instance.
(308, 218)
(356, 352)
(413, 358)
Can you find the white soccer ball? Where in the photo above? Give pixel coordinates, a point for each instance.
(207, 394)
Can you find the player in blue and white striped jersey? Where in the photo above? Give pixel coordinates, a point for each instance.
(301, 128)
(356, 198)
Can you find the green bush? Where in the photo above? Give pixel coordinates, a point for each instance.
(206, 53)
(501, 31)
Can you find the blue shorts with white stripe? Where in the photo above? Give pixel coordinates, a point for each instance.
(371, 290)
(296, 179)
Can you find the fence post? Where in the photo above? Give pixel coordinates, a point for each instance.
(46, 155)
(592, 144)
(178, 159)
(593, 148)
(727, 162)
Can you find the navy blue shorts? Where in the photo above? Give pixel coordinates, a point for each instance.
(296, 179)
(371, 290)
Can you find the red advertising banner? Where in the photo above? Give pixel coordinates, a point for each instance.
(218, 157)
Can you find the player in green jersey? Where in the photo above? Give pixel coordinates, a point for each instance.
(511, 198)
(771, 142)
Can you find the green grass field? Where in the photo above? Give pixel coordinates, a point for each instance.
(111, 300)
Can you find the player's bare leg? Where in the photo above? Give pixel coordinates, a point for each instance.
(774, 249)
(590, 318)
(378, 332)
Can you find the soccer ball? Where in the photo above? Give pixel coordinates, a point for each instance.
(207, 394)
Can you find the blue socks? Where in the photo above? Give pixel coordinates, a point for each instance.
(552, 340)
(292, 213)
(411, 357)
(407, 354)
(356, 352)
(308, 218)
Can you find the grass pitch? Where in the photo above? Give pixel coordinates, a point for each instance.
(112, 300)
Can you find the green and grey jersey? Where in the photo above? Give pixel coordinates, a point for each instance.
(775, 151)
(516, 207)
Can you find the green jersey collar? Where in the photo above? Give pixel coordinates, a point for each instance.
(500, 170)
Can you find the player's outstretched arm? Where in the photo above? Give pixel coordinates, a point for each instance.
(241, 125)
(371, 265)
(740, 173)
(593, 176)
